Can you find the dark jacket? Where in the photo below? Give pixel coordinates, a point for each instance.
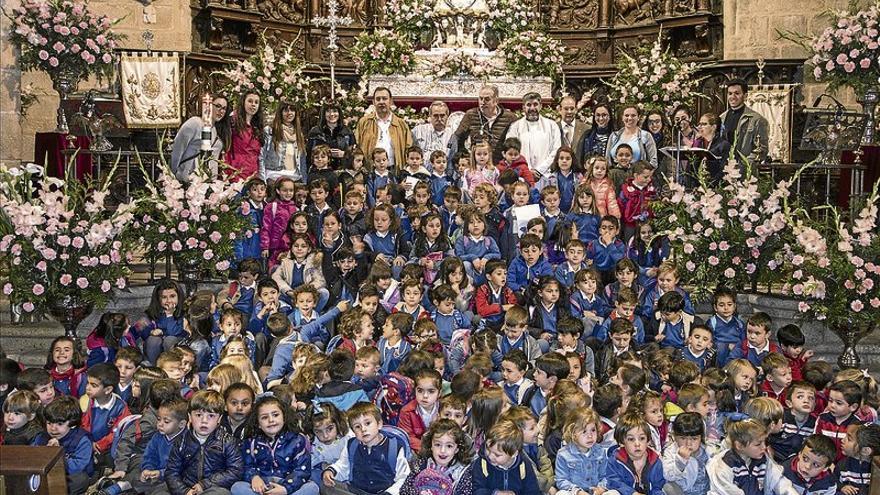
(217, 462)
(520, 478)
(287, 457)
(476, 126)
(340, 138)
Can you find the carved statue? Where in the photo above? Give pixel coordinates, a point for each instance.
(631, 11)
(574, 13)
(283, 10)
(461, 22)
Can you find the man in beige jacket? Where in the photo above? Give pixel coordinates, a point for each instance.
(383, 129)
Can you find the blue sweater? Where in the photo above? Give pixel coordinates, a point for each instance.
(342, 394)
(392, 357)
(286, 457)
(469, 249)
(620, 477)
(77, 450)
(519, 478)
(602, 332)
(580, 303)
(587, 225)
(447, 324)
(258, 325)
(314, 331)
(157, 452)
(282, 360)
(605, 257)
(565, 274)
(649, 303)
(519, 274)
(219, 341)
(102, 420)
(249, 247)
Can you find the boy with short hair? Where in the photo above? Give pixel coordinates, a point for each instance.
(455, 408)
(353, 215)
(105, 409)
(608, 403)
(368, 363)
(513, 372)
(268, 303)
(500, 469)
(635, 198)
(127, 361)
(340, 391)
(515, 336)
(810, 470)
(624, 308)
(239, 398)
(819, 374)
(777, 376)
(798, 421)
(242, 294)
(63, 418)
(205, 459)
(529, 265)
(699, 348)
(549, 369)
(311, 325)
(320, 193)
(393, 346)
(494, 297)
(38, 381)
(550, 211)
(757, 343)
(513, 160)
(440, 180)
(575, 251)
(345, 276)
(604, 253)
(620, 340)
(675, 325)
(449, 210)
(844, 399)
(447, 317)
(285, 340)
(791, 341)
(372, 462)
(728, 329)
(568, 339)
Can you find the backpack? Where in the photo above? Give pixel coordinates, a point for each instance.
(395, 391)
(130, 421)
(333, 344)
(433, 482)
(397, 439)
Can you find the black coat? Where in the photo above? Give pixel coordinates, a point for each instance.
(217, 462)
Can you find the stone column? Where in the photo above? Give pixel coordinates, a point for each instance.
(10, 90)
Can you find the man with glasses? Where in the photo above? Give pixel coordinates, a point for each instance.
(188, 141)
(540, 136)
(434, 135)
(488, 122)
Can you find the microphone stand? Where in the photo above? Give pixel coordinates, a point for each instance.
(678, 137)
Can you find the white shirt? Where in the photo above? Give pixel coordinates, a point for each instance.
(384, 139)
(429, 140)
(540, 140)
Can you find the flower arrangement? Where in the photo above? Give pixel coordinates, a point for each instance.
(461, 64)
(197, 224)
(410, 17)
(276, 74)
(64, 37)
(738, 229)
(352, 102)
(382, 52)
(654, 79)
(507, 18)
(846, 53)
(835, 266)
(60, 241)
(532, 53)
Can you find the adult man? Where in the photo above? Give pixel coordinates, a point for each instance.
(434, 135)
(540, 136)
(488, 122)
(746, 130)
(573, 129)
(383, 129)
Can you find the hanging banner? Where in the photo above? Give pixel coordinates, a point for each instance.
(150, 89)
(773, 102)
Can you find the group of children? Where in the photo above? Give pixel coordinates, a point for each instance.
(397, 346)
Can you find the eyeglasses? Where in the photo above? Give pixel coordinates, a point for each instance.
(655, 121)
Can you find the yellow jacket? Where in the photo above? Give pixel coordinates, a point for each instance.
(367, 134)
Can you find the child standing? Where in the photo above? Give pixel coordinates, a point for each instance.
(565, 173)
(276, 217)
(604, 190)
(481, 170)
(251, 209)
(635, 199)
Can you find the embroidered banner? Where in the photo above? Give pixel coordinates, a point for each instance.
(151, 90)
(773, 102)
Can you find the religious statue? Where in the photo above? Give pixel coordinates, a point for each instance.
(461, 22)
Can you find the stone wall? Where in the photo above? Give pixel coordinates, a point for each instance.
(172, 31)
(750, 32)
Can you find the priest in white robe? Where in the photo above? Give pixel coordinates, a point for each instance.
(540, 136)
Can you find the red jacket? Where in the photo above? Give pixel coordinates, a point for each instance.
(635, 202)
(410, 422)
(243, 156)
(797, 365)
(767, 391)
(827, 425)
(484, 307)
(276, 216)
(521, 167)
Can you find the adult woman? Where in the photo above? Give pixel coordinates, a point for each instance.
(188, 141)
(641, 142)
(332, 132)
(596, 139)
(681, 119)
(655, 123)
(711, 140)
(283, 154)
(246, 137)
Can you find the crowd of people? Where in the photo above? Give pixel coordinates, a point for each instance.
(400, 323)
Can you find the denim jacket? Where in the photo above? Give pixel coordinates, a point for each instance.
(576, 470)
